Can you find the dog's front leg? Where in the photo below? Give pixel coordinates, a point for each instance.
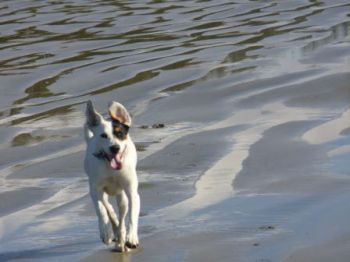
(134, 207)
(112, 215)
(102, 214)
(123, 206)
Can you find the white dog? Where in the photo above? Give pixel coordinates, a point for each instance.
(110, 163)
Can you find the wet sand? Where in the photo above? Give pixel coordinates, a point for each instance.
(287, 202)
(252, 161)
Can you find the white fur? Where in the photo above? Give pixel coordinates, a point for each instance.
(105, 181)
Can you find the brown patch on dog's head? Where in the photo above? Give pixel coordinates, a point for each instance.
(120, 130)
(119, 114)
(117, 129)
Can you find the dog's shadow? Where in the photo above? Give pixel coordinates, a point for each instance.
(113, 254)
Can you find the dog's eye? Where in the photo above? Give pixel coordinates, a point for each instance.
(104, 135)
(119, 134)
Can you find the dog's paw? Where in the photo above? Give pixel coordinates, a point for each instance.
(132, 241)
(106, 233)
(121, 248)
(131, 245)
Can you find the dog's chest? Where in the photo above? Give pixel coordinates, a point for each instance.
(110, 184)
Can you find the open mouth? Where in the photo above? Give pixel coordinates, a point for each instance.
(115, 160)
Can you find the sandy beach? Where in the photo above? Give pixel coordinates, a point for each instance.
(252, 163)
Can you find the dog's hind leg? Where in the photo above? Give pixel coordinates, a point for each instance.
(123, 210)
(111, 213)
(104, 222)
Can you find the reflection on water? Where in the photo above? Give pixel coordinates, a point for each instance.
(61, 50)
(333, 34)
(25, 139)
(55, 55)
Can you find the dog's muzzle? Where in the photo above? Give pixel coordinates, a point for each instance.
(114, 158)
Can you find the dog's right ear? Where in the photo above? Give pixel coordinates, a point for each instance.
(119, 113)
(92, 117)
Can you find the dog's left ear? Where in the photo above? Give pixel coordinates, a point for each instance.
(93, 118)
(118, 112)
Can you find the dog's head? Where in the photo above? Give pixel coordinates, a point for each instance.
(109, 136)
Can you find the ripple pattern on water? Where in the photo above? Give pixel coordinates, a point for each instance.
(189, 63)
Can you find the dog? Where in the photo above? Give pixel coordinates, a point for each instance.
(110, 164)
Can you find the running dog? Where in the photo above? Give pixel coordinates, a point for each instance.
(110, 163)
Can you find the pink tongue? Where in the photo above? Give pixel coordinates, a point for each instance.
(116, 162)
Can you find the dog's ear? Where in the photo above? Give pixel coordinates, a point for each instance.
(92, 117)
(118, 113)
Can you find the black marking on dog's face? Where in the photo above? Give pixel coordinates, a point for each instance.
(120, 130)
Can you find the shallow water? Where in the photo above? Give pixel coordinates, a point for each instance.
(188, 64)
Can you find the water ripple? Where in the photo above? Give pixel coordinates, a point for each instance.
(187, 55)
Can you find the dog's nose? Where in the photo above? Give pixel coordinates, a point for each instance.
(114, 149)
